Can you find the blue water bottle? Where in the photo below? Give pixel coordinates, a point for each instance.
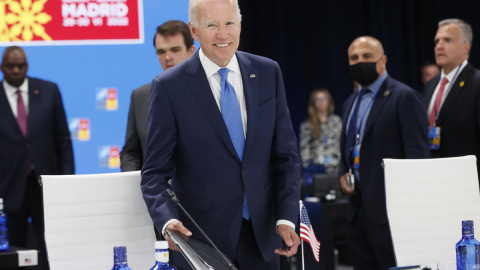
(468, 248)
(161, 256)
(3, 229)
(120, 258)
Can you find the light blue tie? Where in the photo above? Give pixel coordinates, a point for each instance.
(233, 121)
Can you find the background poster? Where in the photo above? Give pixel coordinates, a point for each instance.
(95, 64)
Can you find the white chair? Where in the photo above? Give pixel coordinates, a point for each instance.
(87, 215)
(427, 199)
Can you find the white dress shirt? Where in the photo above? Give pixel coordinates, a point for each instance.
(12, 97)
(450, 76)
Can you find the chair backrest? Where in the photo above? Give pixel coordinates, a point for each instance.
(87, 215)
(324, 183)
(427, 199)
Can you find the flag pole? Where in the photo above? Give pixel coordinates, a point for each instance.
(303, 261)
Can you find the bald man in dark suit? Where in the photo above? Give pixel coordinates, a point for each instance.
(34, 141)
(383, 119)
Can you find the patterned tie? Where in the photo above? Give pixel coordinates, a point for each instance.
(233, 121)
(438, 101)
(21, 113)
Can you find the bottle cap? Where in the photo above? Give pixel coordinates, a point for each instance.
(468, 223)
(121, 250)
(161, 245)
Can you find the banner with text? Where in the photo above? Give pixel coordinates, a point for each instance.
(71, 22)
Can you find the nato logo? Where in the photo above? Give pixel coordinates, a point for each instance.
(109, 156)
(107, 99)
(79, 129)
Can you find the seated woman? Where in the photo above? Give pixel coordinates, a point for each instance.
(320, 133)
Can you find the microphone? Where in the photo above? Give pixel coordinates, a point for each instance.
(174, 198)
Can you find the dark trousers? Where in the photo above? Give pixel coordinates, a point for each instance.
(17, 223)
(369, 243)
(248, 255)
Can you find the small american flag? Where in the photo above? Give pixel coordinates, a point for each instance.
(306, 232)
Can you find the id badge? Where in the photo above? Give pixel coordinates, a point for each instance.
(434, 137)
(356, 156)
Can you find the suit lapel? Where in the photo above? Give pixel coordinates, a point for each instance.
(6, 110)
(200, 88)
(250, 85)
(347, 145)
(430, 90)
(33, 105)
(347, 108)
(383, 94)
(455, 89)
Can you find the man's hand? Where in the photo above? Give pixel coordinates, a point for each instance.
(290, 238)
(344, 185)
(176, 225)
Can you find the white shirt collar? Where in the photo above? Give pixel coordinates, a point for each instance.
(211, 68)
(12, 90)
(451, 74)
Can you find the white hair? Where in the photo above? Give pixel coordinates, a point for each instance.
(192, 10)
(465, 28)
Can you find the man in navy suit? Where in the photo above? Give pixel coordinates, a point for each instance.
(383, 119)
(219, 127)
(34, 140)
(453, 97)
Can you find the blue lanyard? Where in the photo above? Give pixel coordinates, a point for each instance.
(445, 92)
(357, 103)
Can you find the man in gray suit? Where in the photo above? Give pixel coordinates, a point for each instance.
(174, 44)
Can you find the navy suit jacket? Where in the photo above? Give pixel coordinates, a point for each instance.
(459, 116)
(48, 143)
(397, 127)
(188, 141)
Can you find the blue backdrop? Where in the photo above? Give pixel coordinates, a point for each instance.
(86, 73)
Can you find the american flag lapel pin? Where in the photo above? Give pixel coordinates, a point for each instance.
(252, 75)
(36, 92)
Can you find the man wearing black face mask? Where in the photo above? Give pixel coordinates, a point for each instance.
(383, 119)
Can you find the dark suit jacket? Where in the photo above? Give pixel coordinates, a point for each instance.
(48, 143)
(188, 141)
(131, 157)
(396, 128)
(459, 116)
